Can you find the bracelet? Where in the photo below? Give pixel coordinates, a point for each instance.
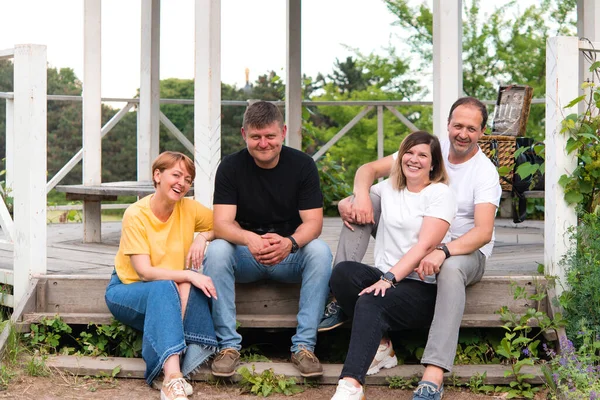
(388, 281)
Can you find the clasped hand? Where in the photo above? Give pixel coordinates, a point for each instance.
(269, 249)
(430, 264)
(356, 211)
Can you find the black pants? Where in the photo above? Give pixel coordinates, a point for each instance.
(409, 305)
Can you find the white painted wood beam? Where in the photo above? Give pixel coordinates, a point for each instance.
(92, 114)
(588, 19)
(293, 81)
(30, 113)
(10, 143)
(207, 98)
(588, 26)
(562, 86)
(447, 61)
(148, 126)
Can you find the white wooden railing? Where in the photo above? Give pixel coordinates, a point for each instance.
(26, 114)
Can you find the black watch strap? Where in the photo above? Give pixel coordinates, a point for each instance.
(295, 246)
(444, 248)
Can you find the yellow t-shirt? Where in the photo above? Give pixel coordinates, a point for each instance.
(167, 243)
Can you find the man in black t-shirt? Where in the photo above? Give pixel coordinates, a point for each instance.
(268, 214)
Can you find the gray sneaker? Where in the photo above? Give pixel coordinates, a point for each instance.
(307, 363)
(428, 391)
(332, 318)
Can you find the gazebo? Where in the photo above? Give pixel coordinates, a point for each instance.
(26, 110)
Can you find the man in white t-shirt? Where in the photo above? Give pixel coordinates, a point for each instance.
(457, 263)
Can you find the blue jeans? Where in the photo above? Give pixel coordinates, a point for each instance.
(228, 263)
(155, 309)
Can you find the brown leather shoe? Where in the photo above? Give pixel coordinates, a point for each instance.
(307, 363)
(225, 362)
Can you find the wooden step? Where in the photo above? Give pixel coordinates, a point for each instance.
(245, 320)
(134, 368)
(264, 304)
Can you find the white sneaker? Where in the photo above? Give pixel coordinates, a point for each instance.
(157, 384)
(384, 358)
(173, 389)
(347, 391)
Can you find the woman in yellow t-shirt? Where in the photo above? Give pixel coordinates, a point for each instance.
(157, 287)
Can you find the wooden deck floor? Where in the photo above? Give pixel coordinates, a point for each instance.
(518, 249)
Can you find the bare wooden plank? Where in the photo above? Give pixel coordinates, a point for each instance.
(134, 368)
(70, 318)
(267, 321)
(75, 296)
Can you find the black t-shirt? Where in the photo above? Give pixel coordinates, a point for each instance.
(268, 200)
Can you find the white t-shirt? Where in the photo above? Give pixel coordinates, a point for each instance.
(401, 218)
(473, 182)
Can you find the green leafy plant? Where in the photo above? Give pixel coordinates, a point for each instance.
(581, 296)
(36, 365)
(582, 186)
(520, 343)
(477, 384)
(575, 372)
(333, 182)
(398, 382)
(45, 336)
(267, 383)
(251, 354)
(474, 347)
(115, 339)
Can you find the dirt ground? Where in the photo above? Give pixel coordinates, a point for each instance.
(62, 386)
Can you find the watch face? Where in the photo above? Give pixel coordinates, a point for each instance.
(390, 276)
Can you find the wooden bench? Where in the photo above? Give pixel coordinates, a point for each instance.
(265, 304)
(93, 195)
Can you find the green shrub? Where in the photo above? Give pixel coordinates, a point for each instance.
(581, 298)
(333, 183)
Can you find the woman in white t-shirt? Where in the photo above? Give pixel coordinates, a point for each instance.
(417, 207)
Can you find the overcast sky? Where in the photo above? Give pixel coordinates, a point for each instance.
(253, 36)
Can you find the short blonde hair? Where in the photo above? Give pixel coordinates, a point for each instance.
(168, 159)
(438, 173)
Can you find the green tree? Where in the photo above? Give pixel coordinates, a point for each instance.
(506, 46)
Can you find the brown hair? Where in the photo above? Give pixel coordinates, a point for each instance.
(167, 159)
(260, 114)
(436, 175)
(472, 102)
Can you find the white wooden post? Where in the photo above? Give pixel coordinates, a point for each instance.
(148, 126)
(562, 86)
(29, 188)
(293, 82)
(92, 116)
(447, 61)
(588, 13)
(10, 143)
(207, 98)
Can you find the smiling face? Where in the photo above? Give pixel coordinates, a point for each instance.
(173, 183)
(264, 144)
(464, 129)
(416, 166)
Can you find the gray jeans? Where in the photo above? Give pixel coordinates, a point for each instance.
(456, 274)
